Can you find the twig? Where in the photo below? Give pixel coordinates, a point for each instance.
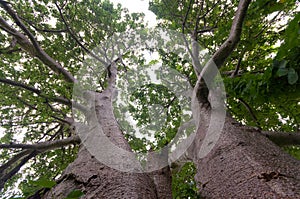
(246, 105)
(70, 31)
(42, 30)
(33, 107)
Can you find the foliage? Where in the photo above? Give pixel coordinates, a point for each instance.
(183, 182)
(264, 92)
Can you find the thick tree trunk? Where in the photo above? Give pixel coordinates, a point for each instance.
(245, 164)
(97, 180)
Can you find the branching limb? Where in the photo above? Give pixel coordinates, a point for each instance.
(186, 16)
(208, 29)
(237, 68)
(11, 48)
(13, 160)
(283, 138)
(20, 85)
(33, 107)
(234, 36)
(25, 152)
(16, 169)
(31, 45)
(40, 93)
(41, 29)
(224, 51)
(70, 31)
(30, 152)
(44, 146)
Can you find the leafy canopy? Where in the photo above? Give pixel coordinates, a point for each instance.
(261, 76)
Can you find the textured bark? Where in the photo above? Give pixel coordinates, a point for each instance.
(97, 180)
(245, 164)
(163, 181)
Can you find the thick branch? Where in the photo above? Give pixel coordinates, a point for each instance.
(234, 36)
(283, 138)
(31, 45)
(15, 170)
(21, 85)
(13, 160)
(32, 151)
(223, 53)
(44, 146)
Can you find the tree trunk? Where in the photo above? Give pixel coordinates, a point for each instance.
(245, 164)
(97, 180)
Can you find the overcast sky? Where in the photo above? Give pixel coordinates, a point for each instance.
(138, 6)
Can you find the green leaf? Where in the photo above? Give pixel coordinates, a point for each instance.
(282, 72)
(282, 64)
(292, 76)
(75, 194)
(279, 64)
(44, 183)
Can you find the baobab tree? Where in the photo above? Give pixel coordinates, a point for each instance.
(46, 148)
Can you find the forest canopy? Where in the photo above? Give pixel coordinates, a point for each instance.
(45, 43)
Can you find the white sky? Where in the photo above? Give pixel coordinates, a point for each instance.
(138, 6)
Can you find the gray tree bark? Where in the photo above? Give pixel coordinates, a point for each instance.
(246, 164)
(97, 180)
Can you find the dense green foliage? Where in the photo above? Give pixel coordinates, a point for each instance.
(264, 92)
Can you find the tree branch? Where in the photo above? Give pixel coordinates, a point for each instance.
(13, 160)
(237, 68)
(234, 36)
(224, 51)
(207, 29)
(283, 138)
(249, 109)
(21, 85)
(40, 93)
(11, 173)
(44, 146)
(33, 107)
(31, 46)
(43, 30)
(70, 31)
